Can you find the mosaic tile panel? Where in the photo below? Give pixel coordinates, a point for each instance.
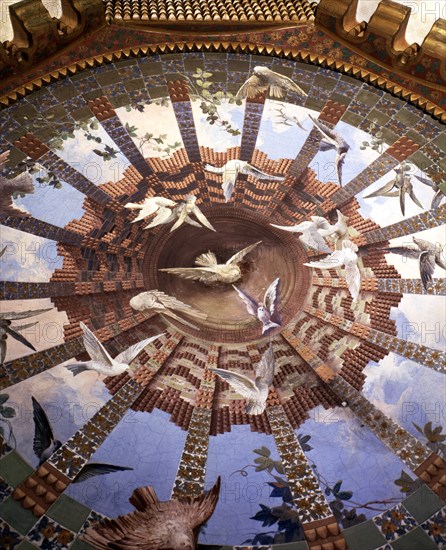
(395, 522)
(435, 528)
(251, 126)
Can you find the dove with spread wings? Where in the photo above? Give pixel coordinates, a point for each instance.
(265, 80)
(266, 310)
(23, 183)
(348, 258)
(6, 330)
(181, 212)
(45, 444)
(156, 525)
(210, 271)
(332, 141)
(159, 302)
(232, 169)
(100, 359)
(254, 391)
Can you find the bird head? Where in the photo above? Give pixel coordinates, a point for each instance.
(181, 540)
(142, 301)
(261, 70)
(191, 199)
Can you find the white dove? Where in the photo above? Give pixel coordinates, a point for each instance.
(212, 272)
(186, 209)
(160, 205)
(338, 231)
(332, 140)
(263, 310)
(265, 80)
(347, 257)
(100, 359)
(232, 169)
(311, 232)
(254, 391)
(155, 300)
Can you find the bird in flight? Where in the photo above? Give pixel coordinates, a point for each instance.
(311, 232)
(428, 255)
(100, 359)
(265, 80)
(210, 271)
(159, 302)
(156, 525)
(439, 187)
(266, 310)
(159, 205)
(332, 141)
(348, 258)
(232, 169)
(6, 330)
(45, 444)
(338, 231)
(254, 391)
(188, 208)
(23, 183)
(400, 186)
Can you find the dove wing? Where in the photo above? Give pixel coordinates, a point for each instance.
(23, 314)
(214, 169)
(251, 88)
(314, 239)
(201, 508)
(172, 303)
(127, 356)
(438, 197)
(255, 172)
(265, 368)
(413, 196)
(17, 336)
(299, 228)
(164, 215)
(426, 181)
(407, 251)
(279, 82)
(238, 257)
(271, 298)
(327, 133)
(353, 278)
(98, 469)
(251, 305)
(382, 190)
(202, 218)
(43, 433)
(340, 159)
(208, 259)
(192, 273)
(335, 259)
(427, 267)
(2, 351)
(182, 215)
(94, 348)
(241, 383)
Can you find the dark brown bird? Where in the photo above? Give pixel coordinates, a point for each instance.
(22, 183)
(156, 525)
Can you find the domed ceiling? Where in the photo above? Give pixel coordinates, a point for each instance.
(347, 447)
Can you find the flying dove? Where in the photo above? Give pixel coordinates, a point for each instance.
(265, 310)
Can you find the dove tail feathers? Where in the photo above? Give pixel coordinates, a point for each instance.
(77, 368)
(269, 325)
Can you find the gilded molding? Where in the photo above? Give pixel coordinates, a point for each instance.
(383, 37)
(218, 46)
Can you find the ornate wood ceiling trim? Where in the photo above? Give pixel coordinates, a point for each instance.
(343, 67)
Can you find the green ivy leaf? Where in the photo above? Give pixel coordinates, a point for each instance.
(336, 487)
(3, 398)
(263, 451)
(7, 412)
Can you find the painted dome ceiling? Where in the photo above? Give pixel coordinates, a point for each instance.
(351, 435)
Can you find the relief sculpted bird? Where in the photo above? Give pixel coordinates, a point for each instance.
(155, 300)
(6, 329)
(156, 525)
(311, 232)
(263, 311)
(428, 255)
(265, 80)
(254, 391)
(210, 271)
(160, 205)
(45, 444)
(399, 186)
(232, 169)
(348, 258)
(22, 183)
(100, 359)
(332, 141)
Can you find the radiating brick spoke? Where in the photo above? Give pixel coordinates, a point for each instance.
(428, 357)
(417, 457)
(43, 229)
(389, 285)
(42, 488)
(191, 473)
(251, 125)
(319, 524)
